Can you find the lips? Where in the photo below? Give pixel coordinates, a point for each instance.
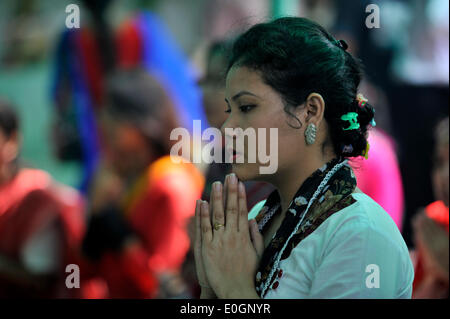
(232, 154)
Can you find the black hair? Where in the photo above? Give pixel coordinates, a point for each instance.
(296, 57)
(9, 122)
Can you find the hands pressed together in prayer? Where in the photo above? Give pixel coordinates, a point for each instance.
(227, 246)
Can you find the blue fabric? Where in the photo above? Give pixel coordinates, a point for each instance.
(69, 67)
(165, 60)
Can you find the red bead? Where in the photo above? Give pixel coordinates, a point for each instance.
(275, 285)
(280, 273)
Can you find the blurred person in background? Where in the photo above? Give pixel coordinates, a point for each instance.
(83, 60)
(140, 199)
(86, 57)
(41, 223)
(431, 226)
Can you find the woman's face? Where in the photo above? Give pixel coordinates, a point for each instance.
(252, 104)
(125, 147)
(9, 148)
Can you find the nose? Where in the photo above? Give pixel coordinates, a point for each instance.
(230, 122)
(228, 130)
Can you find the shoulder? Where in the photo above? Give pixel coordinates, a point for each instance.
(365, 218)
(337, 259)
(366, 213)
(363, 237)
(33, 178)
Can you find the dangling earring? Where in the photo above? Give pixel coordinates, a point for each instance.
(310, 134)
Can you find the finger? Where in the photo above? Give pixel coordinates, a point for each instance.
(243, 211)
(198, 230)
(232, 208)
(257, 238)
(205, 222)
(218, 214)
(198, 241)
(224, 197)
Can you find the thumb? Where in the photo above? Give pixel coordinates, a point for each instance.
(257, 238)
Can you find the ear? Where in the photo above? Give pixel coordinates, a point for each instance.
(314, 109)
(11, 148)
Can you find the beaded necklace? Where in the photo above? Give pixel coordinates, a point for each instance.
(269, 215)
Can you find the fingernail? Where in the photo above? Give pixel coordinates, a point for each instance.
(241, 187)
(232, 179)
(217, 186)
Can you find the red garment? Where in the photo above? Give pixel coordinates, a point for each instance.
(129, 45)
(26, 181)
(126, 274)
(91, 64)
(157, 208)
(28, 202)
(440, 214)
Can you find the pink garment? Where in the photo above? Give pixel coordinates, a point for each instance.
(379, 176)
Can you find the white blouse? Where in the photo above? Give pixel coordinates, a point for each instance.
(357, 252)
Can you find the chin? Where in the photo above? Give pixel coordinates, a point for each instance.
(245, 171)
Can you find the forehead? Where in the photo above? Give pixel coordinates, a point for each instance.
(243, 78)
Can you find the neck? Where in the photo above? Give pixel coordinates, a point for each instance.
(290, 181)
(7, 173)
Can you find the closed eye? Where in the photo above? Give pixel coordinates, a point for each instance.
(243, 108)
(246, 108)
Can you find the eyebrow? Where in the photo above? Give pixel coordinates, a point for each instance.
(238, 95)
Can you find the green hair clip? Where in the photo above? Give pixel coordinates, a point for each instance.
(352, 117)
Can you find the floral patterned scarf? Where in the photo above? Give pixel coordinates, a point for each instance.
(334, 197)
